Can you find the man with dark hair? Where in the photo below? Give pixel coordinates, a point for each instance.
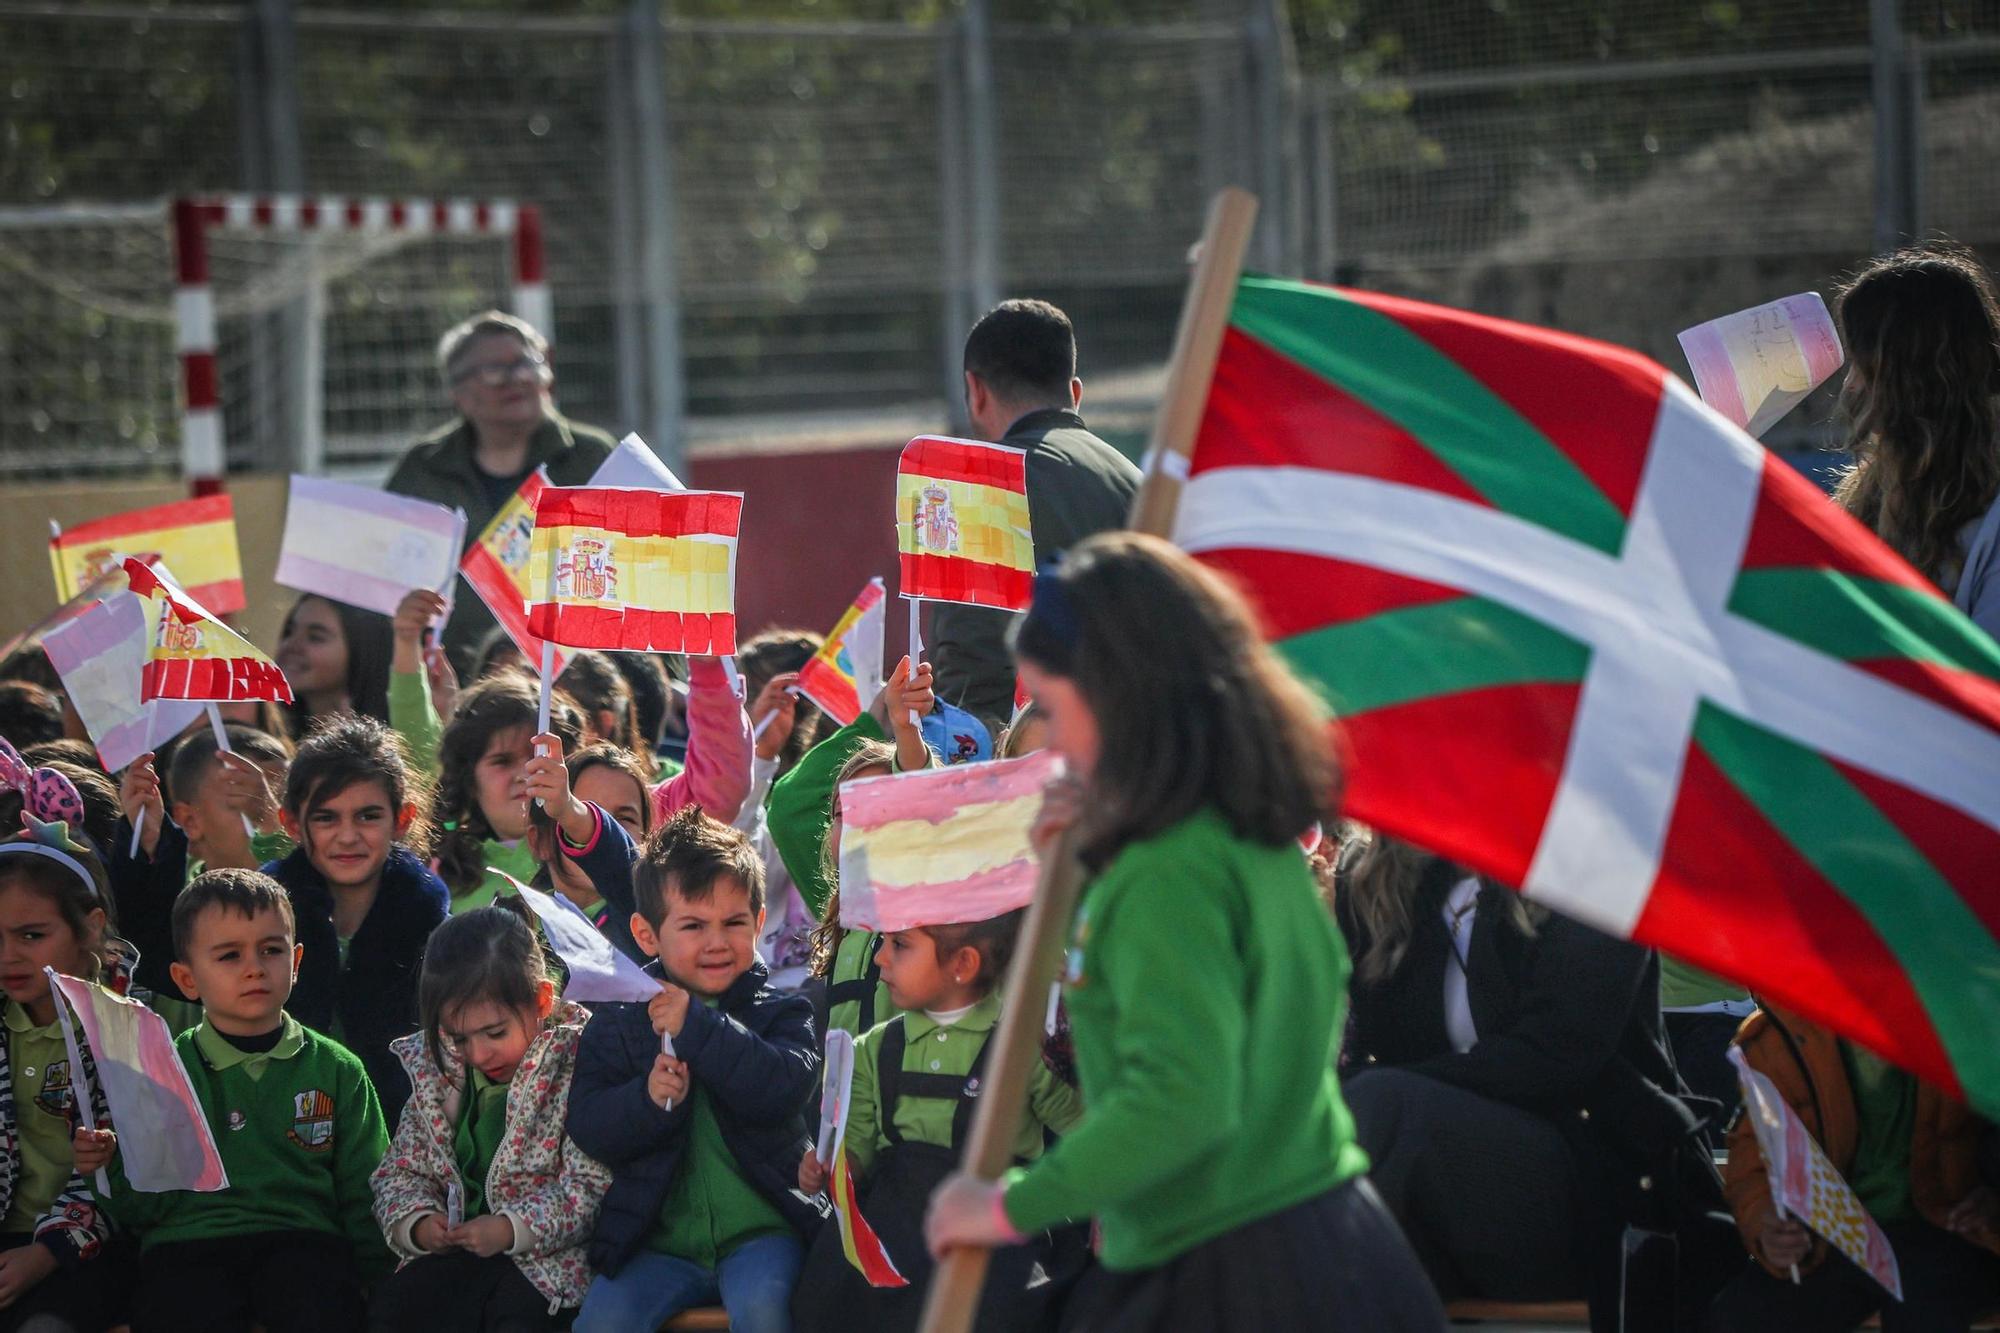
(1021, 390)
(496, 369)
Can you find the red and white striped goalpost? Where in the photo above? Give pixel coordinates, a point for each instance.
(203, 461)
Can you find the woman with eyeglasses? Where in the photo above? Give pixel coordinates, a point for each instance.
(496, 370)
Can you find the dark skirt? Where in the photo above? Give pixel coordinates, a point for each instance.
(1336, 1261)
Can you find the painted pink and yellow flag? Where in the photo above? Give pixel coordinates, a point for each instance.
(1804, 1184)
(163, 1137)
(941, 846)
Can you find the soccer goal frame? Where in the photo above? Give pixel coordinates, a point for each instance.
(194, 218)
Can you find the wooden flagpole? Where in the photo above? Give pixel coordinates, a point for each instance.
(955, 1285)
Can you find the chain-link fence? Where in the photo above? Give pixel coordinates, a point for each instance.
(781, 228)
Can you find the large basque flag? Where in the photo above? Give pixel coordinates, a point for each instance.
(1586, 635)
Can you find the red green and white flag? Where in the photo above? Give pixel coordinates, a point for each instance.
(1586, 635)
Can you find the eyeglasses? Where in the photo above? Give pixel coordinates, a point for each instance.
(498, 374)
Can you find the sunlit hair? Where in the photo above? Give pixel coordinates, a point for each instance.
(772, 652)
(494, 705)
(599, 687)
(1193, 710)
(490, 955)
(993, 940)
(232, 889)
(1377, 887)
(825, 938)
(686, 857)
(1922, 330)
(370, 640)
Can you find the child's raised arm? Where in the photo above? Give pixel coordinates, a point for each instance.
(139, 797)
(903, 697)
(547, 781)
(717, 773)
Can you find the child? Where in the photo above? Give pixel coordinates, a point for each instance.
(490, 1072)
(584, 853)
(364, 903)
(703, 1145)
(600, 690)
(615, 780)
(202, 827)
(1206, 982)
(1909, 1152)
(482, 797)
(290, 1243)
(916, 1082)
(856, 998)
(336, 658)
(54, 912)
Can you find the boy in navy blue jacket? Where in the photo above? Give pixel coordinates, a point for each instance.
(703, 1144)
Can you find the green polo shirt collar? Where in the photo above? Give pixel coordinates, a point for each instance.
(18, 1021)
(982, 1017)
(220, 1054)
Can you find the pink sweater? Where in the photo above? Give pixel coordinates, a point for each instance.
(717, 773)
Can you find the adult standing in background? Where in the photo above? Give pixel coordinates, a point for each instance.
(496, 369)
(1021, 390)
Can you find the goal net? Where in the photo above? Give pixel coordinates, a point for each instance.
(310, 346)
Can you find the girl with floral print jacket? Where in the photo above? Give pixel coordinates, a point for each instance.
(483, 1196)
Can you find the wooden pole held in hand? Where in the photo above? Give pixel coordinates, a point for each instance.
(955, 1283)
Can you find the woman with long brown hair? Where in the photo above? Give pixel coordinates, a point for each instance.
(1205, 982)
(1922, 329)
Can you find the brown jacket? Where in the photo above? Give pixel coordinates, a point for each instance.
(1812, 1078)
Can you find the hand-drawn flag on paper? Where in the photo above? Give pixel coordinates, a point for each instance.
(864, 1249)
(1585, 635)
(597, 971)
(844, 676)
(101, 657)
(1758, 364)
(633, 464)
(1805, 1186)
(635, 571)
(195, 537)
(497, 565)
(364, 546)
(962, 523)
(163, 1137)
(941, 846)
(192, 655)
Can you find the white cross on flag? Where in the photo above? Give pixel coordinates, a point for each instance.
(1587, 636)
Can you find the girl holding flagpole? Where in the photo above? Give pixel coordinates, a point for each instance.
(56, 1259)
(483, 1195)
(1206, 983)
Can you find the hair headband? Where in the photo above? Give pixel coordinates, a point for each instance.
(46, 795)
(56, 854)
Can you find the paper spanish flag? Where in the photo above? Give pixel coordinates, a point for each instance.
(192, 655)
(962, 523)
(195, 537)
(864, 1249)
(845, 673)
(635, 570)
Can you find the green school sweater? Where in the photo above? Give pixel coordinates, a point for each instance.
(850, 963)
(413, 716)
(933, 1048)
(300, 1132)
(1207, 989)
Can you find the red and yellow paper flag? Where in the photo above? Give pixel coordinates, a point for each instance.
(192, 655)
(196, 537)
(863, 1247)
(496, 565)
(962, 523)
(635, 570)
(844, 675)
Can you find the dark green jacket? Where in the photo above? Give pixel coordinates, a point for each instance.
(1077, 485)
(439, 468)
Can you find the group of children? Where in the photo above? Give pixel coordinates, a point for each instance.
(417, 1130)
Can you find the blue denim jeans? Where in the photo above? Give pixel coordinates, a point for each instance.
(754, 1284)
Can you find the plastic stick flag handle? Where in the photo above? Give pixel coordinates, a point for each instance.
(916, 649)
(138, 827)
(734, 676)
(79, 1086)
(667, 1049)
(542, 708)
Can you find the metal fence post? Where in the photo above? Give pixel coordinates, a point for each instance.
(1324, 159)
(1274, 83)
(982, 123)
(273, 154)
(645, 42)
(628, 330)
(1895, 138)
(955, 302)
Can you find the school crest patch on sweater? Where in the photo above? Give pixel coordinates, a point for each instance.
(312, 1121)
